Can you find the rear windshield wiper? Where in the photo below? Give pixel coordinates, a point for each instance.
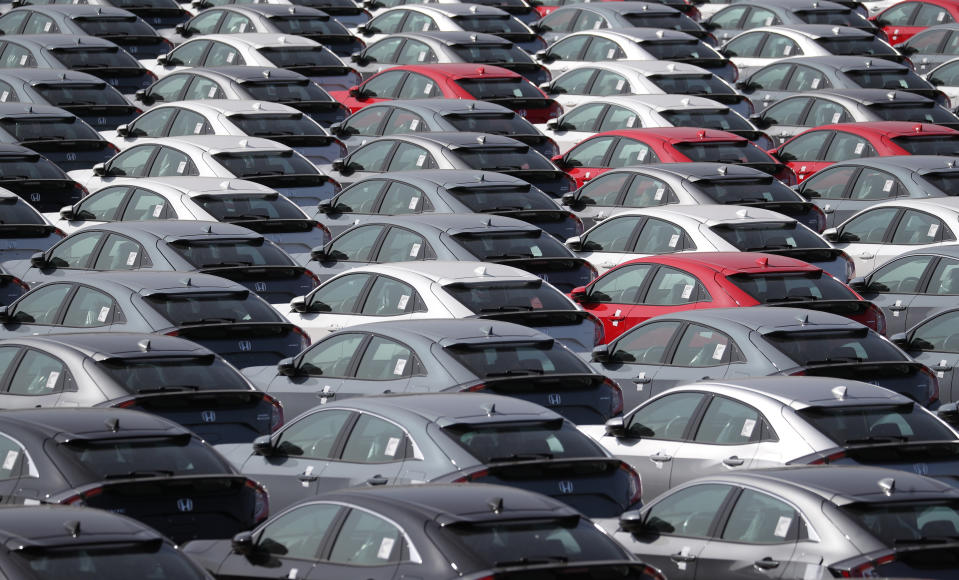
(841, 359)
(877, 439)
(206, 321)
(508, 309)
(516, 372)
(506, 256)
(168, 389)
(521, 456)
(138, 474)
(532, 561)
(804, 298)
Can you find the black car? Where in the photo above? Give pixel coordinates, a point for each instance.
(22, 230)
(58, 135)
(37, 180)
(125, 461)
(470, 532)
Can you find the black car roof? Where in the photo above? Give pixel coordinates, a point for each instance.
(79, 422)
(117, 344)
(57, 525)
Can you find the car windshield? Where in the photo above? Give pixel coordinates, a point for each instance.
(691, 84)
(517, 359)
(681, 50)
(777, 288)
(48, 128)
(504, 245)
(308, 25)
(495, 123)
(119, 458)
(768, 236)
(887, 79)
(28, 167)
(114, 25)
(724, 152)
(812, 347)
(503, 158)
(863, 46)
(285, 91)
(95, 57)
(107, 561)
(517, 542)
(219, 253)
(851, 425)
(501, 88)
(14, 210)
(172, 374)
(529, 296)
(226, 208)
(491, 53)
(276, 124)
(299, 56)
(915, 112)
(70, 94)
(929, 144)
(212, 308)
(722, 119)
(945, 181)
(265, 163)
(490, 443)
(745, 191)
(506, 198)
(907, 522)
(491, 23)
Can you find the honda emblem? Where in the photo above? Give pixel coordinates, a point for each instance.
(34, 197)
(184, 504)
(246, 346)
(71, 156)
(566, 487)
(208, 416)
(554, 399)
(921, 468)
(259, 286)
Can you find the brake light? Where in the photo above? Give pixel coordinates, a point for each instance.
(735, 71)
(276, 413)
(829, 458)
(355, 77)
(552, 149)
(616, 398)
(555, 109)
(327, 236)
(304, 337)
(635, 487)
(867, 569)
(820, 219)
(934, 385)
(850, 266)
(261, 502)
(580, 228)
(316, 281)
(472, 476)
(81, 498)
(875, 319)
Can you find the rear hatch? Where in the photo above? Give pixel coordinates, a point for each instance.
(561, 224)
(70, 154)
(862, 311)
(912, 379)
(555, 183)
(128, 80)
(20, 241)
(275, 284)
(246, 344)
(938, 459)
(604, 570)
(577, 329)
(534, 73)
(829, 259)
(103, 117)
(564, 273)
(10, 289)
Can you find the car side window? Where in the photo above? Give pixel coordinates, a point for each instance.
(806, 78)
(746, 45)
(11, 22)
(629, 152)
(384, 51)
(917, 228)
(416, 52)
(620, 286)
(40, 24)
(402, 199)
(171, 162)
(42, 305)
(874, 184)
(758, 518)
(39, 374)
(575, 82)
(729, 17)
(15, 460)
(569, 48)
(701, 346)
(146, 205)
(188, 54)
(366, 121)
(590, 21)
(665, 417)
(779, 46)
(869, 227)
(417, 22)
(938, 334)
(190, 123)
(371, 157)
(15, 56)
(559, 21)
(357, 244)
(234, 23)
(361, 197)
(771, 78)
(645, 344)
(672, 287)
(900, 14)
(121, 253)
(385, 360)
(102, 205)
(947, 75)
(583, 118)
(787, 111)
(900, 276)
(760, 17)
(619, 118)
(169, 89)
(206, 22)
(90, 308)
(152, 123)
(222, 54)
(315, 435)
(368, 540)
(419, 86)
(388, 297)
(7, 94)
(848, 146)
(602, 49)
(613, 235)
(609, 83)
(689, 512)
(409, 157)
(203, 88)
(339, 296)
(604, 190)
(932, 15)
(373, 440)
(829, 183)
(729, 422)
(927, 41)
(806, 147)
(825, 112)
(661, 237)
(385, 85)
(404, 122)
(591, 153)
(300, 532)
(75, 251)
(132, 162)
(945, 278)
(387, 22)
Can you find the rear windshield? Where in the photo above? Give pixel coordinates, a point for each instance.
(864, 46)
(495, 123)
(502, 88)
(518, 543)
(71, 94)
(509, 442)
(774, 288)
(213, 254)
(508, 297)
(121, 458)
(691, 84)
(264, 163)
(887, 79)
(660, 21)
(490, 199)
(299, 56)
(769, 236)
(48, 128)
(285, 92)
(722, 119)
(115, 25)
(876, 424)
(132, 3)
(14, 210)
(929, 145)
(308, 25)
(277, 124)
(212, 307)
(946, 182)
(173, 374)
(834, 346)
(834, 17)
(900, 522)
(491, 23)
(493, 245)
(226, 208)
(725, 152)
(99, 57)
(107, 561)
(681, 50)
(503, 158)
(915, 112)
(517, 359)
(735, 191)
(488, 53)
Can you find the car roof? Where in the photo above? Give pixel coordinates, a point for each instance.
(949, 204)
(844, 63)
(452, 408)
(275, 9)
(638, 34)
(919, 163)
(240, 73)
(888, 128)
(800, 392)
(60, 525)
(454, 222)
(50, 75)
(77, 10)
(459, 139)
(665, 102)
(217, 143)
(647, 67)
(450, 178)
(706, 170)
(456, 9)
(676, 134)
(711, 214)
(816, 31)
(451, 330)
(873, 96)
(58, 40)
(451, 37)
(767, 318)
(455, 70)
(232, 106)
(447, 106)
(145, 282)
(795, 5)
(445, 272)
(627, 7)
(729, 263)
(193, 186)
(73, 422)
(101, 345)
(261, 39)
(949, 250)
(28, 109)
(178, 228)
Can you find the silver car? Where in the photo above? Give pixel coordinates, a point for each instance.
(932, 46)
(934, 341)
(604, 15)
(748, 14)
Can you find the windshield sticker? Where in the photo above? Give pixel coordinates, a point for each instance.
(748, 426)
(104, 312)
(11, 459)
(399, 367)
(52, 379)
(401, 304)
(718, 351)
(415, 249)
(687, 291)
(386, 547)
(782, 526)
(131, 258)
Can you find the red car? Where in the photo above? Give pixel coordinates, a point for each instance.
(640, 289)
(489, 83)
(902, 21)
(814, 149)
(614, 149)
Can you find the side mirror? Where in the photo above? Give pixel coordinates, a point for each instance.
(907, 50)
(708, 26)
(338, 164)
(163, 59)
(899, 339)
(242, 543)
(574, 243)
(559, 160)
(4, 314)
(38, 260)
(545, 87)
(262, 445)
(745, 85)
(325, 206)
(568, 198)
(948, 413)
(362, 29)
(355, 92)
(553, 124)
(858, 284)
(360, 59)
(542, 56)
(123, 130)
(578, 294)
(68, 213)
(100, 169)
(181, 29)
(600, 353)
(298, 304)
(830, 234)
(615, 427)
(631, 521)
(142, 96)
(287, 367)
(759, 121)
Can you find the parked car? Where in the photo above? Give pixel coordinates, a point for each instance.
(901, 21)
(158, 13)
(931, 47)
(604, 16)
(23, 229)
(58, 135)
(36, 180)
(746, 15)
(934, 343)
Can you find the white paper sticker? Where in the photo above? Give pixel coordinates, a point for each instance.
(157, 210)
(47, 25)
(231, 57)
(197, 128)
(425, 27)
(414, 124)
(641, 154)
(659, 194)
(748, 426)
(859, 148)
(933, 228)
(631, 122)
(619, 86)
(104, 312)
(211, 93)
(685, 551)
(639, 387)
(611, 53)
(399, 367)
(618, 312)
(768, 22)
(887, 186)
(11, 459)
(791, 241)
(536, 251)
(673, 240)
(707, 334)
(815, 83)
(386, 547)
(414, 250)
(309, 468)
(718, 351)
(421, 56)
(782, 526)
(292, 574)
(427, 88)
(131, 258)
(787, 50)
(4, 95)
(391, 446)
(181, 167)
(401, 303)
(687, 291)
(940, 16)
(23, 59)
(52, 379)
(421, 160)
(243, 26)
(836, 117)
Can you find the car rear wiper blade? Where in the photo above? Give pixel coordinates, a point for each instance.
(138, 474)
(520, 456)
(206, 321)
(877, 439)
(805, 298)
(516, 372)
(508, 309)
(506, 256)
(217, 264)
(532, 561)
(841, 359)
(168, 389)
(769, 247)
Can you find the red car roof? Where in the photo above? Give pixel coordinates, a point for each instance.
(675, 134)
(458, 70)
(889, 128)
(729, 263)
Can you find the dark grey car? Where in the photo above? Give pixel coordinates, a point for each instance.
(593, 16)
(740, 16)
(934, 341)
(58, 135)
(23, 231)
(932, 46)
(37, 180)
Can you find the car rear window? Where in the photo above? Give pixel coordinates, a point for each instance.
(157, 375)
(929, 144)
(768, 236)
(228, 208)
(495, 245)
(851, 425)
(265, 163)
(887, 79)
(736, 191)
(945, 181)
(503, 158)
(691, 84)
(510, 442)
(98, 57)
(488, 199)
(280, 91)
(722, 119)
(517, 359)
(835, 17)
(834, 346)
(29, 167)
(491, 23)
(114, 25)
(211, 253)
(212, 307)
(901, 522)
(308, 25)
(667, 21)
(680, 50)
(299, 56)
(48, 128)
(143, 457)
(107, 561)
(501, 88)
(495, 123)
(14, 210)
(863, 46)
(508, 296)
(775, 288)
(276, 124)
(724, 152)
(915, 112)
(489, 53)
(518, 543)
(71, 94)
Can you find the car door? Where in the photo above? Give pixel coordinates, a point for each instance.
(870, 187)
(613, 297)
(353, 205)
(367, 161)
(588, 159)
(670, 290)
(32, 378)
(373, 454)
(914, 229)
(354, 247)
(896, 21)
(318, 373)
(403, 245)
(384, 366)
(607, 245)
(939, 292)
(637, 357)
(366, 546)
(331, 305)
(767, 85)
(828, 189)
(362, 126)
(570, 89)
(805, 153)
(894, 286)
(658, 237)
(784, 120)
(388, 298)
(935, 343)
(76, 252)
(381, 87)
(576, 125)
(38, 311)
(600, 198)
(700, 353)
(863, 235)
(16, 472)
(745, 51)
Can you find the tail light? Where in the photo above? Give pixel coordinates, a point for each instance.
(81, 498)
(276, 413)
(934, 386)
(555, 110)
(173, 333)
(20, 283)
(343, 149)
(943, 99)
(355, 77)
(711, 39)
(304, 337)
(820, 218)
(261, 502)
(615, 397)
(866, 569)
(635, 486)
(151, 78)
(367, 12)
(168, 44)
(908, 62)
(470, 477)
(850, 266)
(875, 319)
(475, 388)
(580, 228)
(735, 71)
(549, 75)
(59, 232)
(798, 374)
(787, 176)
(313, 277)
(750, 106)
(599, 333)
(113, 147)
(126, 404)
(829, 458)
(552, 147)
(327, 236)
(83, 191)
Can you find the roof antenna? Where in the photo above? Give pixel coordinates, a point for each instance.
(496, 505)
(113, 424)
(73, 527)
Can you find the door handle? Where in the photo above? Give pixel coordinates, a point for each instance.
(733, 461)
(377, 480)
(898, 307)
(938, 368)
(766, 563)
(682, 558)
(658, 458)
(306, 477)
(642, 380)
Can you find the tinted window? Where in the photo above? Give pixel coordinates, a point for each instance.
(105, 562)
(168, 373)
(300, 532)
(265, 163)
(331, 357)
(620, 286)
(689, 512)
(38, 374)
(700, 346)
(735, 152)
(773, 288)
(502, 88)
(517, 359)
(769, 236)
(367, 540)
(828, 346)
(665, 417)
(645, 344)
(508, 296)
(728, 422)
(215, 253)
(314, 435)
(497, 246)
(849, 425)
(186, 309)
(101, 459)
(491, 442)
(504, 542)
(760, 519)
(904, 521)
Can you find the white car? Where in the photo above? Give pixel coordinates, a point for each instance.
(233, 117)
(302, 55)
(882, 232)
(642, 77)
(638, 233)
(441, 289)
(755, 48)
(235, 201)
(595, 115)
(261, 160)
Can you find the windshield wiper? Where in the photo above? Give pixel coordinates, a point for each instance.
(532, 561)
(168, 389)
(508, 309)
(841, 359)
(516, 372)
(794, 298)
(205, 321)
(138, 474)
(506, 256)
(521, 456)
(877, 439)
